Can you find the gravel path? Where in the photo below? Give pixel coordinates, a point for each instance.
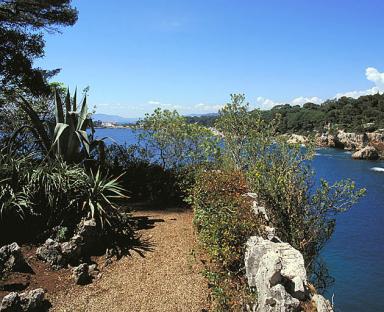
(166, 279)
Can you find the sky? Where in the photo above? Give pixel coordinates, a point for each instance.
(191, 55)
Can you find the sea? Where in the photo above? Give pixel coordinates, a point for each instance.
(355, 253)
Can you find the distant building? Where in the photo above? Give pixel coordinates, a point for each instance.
(108, 124)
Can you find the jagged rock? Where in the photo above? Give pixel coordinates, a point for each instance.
(325, 140)
(12, 259)
(59, 255)
(322, 304)
(72, 249)
(350, 141)
(81, 274)
(277, 271)
(51, 253)
(89, 233)
(93, 270)
(256, 207)
(368, 152)
(27, 301)
(297, 139)
(10, 302)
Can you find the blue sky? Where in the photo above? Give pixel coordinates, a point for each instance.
(190, 55)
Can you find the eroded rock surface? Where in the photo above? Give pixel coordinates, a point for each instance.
(368, 152)
(12, 259)
(31, 301)
(51, 253)
(81, 274)
(277, 271)
(59, 255)
(322, 304)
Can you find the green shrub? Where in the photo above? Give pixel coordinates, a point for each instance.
(38, 197)
(171, 142)
(281, 176)
(223, 216)
(224, 221)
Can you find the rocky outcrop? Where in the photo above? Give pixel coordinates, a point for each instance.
(59, 255)
(350, 141)
(355, 142)
(277, 271)
(51, 253)
(84, 273)
(368, 152)
(31, 301)
(325, 140)
(12, 259)
(297, 139)
(321, 304)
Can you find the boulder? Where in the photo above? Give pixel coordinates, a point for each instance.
(12, 259)
(51, 253)
(59, 255)
(277, 271)
(368, 152)
(297, 139)
(89, 233)
(322, 304)
(71, 250)
(81, 274)
(27, 301)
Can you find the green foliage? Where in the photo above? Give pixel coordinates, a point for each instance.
(145, 181)
(246, 136)
(355, 115)
(102, 192)
(281, 176)
(67, 136)
(14, 200)
(173, 143)
(21, 39)
(223, 216)
(57, 191)
(36, 197)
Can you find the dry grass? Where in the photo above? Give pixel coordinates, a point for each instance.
(166, 279)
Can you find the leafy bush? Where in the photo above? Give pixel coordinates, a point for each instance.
(173, 143)
(281, 176)
(37, 197)
(224, 221)
(142, 179)
(223, 216)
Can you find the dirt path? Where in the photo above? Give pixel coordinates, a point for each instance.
(167, 278)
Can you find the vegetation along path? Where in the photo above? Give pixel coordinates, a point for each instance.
(162, 275)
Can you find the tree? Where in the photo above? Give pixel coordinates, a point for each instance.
(281, 176)
(22, 23)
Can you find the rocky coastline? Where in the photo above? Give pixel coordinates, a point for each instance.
(368, 145)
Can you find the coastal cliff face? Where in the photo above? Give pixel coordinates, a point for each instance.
(368, 145)
(278, 273)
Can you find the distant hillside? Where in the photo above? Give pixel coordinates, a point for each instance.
(113, 118)
(203, 119)
(355, 115)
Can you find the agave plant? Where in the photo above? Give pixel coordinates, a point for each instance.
(69, 138)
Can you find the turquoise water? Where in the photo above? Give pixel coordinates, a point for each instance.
(355, 254)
